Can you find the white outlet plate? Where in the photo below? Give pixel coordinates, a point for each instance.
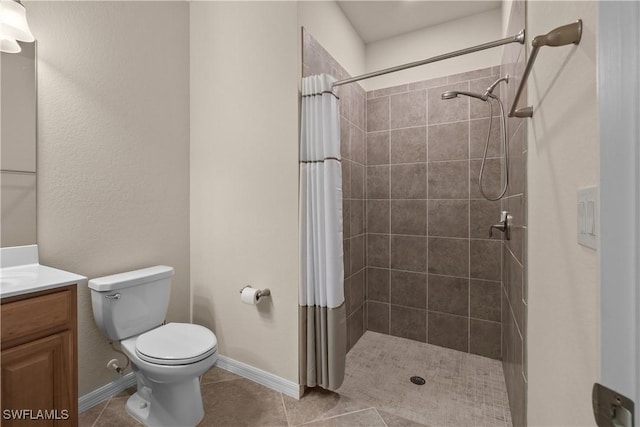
(587, 210)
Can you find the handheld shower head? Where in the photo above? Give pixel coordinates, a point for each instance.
(450, 94)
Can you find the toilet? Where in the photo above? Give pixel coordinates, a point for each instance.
(167, 359)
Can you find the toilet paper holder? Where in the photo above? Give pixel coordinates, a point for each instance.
(261, 293)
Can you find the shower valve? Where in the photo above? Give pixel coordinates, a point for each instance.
(503, 226)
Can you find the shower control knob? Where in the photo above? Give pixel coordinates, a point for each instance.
(503, 226)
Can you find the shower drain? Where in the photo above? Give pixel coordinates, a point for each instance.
(418, 380)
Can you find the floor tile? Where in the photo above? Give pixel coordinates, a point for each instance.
(241, 403)
(88, 417)
(461, 389)
(216, 374)
(392, 420)
(318, 404)
(115, 414)
(365, 418)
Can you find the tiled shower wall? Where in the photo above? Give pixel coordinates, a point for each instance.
(514, 279)
(317, 60)
(433, 273)
(418, 259)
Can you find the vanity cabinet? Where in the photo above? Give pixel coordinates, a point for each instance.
(39, 358)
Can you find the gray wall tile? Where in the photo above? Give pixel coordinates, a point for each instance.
(449, 180)
(409, 181)
(356, 293)
(378, 317)
(449, 295)
(408, 145)
(449, 218)
(408, 323)
(485, 259)
(447, 110)
(482, 215)
(357, 181)
(484, 300)
(409, 289)
(377, 284)
(449, 256)
(378, 216)
(485, 338)
(409, 217)
(357, 217)
(357, 253)
(409, 253)
(449, 141)
(357, 143)
(378, 114)
(491, 181)
(408, 109)
(377, 182)
(378, 250)
(377, 148)
(449, 331)
(478, 140)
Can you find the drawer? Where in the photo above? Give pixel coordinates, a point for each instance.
(34, 315)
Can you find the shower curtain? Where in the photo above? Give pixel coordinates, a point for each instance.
(323, 332)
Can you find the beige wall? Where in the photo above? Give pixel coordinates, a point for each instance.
(338, 38)
(505, 11)
(563, 323)
(113, 149)
(244, 178)
(436, 40)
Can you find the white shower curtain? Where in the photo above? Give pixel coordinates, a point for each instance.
(323, 339)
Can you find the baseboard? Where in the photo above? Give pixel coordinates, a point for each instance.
(105, 392)
(259, 376)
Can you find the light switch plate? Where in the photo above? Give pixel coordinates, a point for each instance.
(588, 217)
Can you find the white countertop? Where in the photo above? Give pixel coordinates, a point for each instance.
(17, 278)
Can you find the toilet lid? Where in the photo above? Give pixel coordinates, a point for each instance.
(176, 344)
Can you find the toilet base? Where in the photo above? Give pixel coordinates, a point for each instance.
(174, 405)
(138, 408)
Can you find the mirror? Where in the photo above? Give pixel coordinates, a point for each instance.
(18, 147)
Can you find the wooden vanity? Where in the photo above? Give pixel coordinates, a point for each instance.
(39, 356)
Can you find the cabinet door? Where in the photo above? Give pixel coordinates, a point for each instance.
(36, 376)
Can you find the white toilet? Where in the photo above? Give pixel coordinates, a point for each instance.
(167, 359)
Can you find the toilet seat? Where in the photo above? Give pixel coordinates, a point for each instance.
(176, 344)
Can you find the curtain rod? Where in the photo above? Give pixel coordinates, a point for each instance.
(518, 38)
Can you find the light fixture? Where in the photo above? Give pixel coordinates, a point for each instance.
(9, 46)
(13, 26)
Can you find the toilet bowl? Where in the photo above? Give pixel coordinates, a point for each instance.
(167, 359)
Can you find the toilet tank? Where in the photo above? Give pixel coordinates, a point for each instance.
(128, 304)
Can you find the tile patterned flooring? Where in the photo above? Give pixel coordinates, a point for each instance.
(461, 390)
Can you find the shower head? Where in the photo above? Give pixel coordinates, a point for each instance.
(450, 94)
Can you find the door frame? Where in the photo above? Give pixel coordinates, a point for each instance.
(619, 103)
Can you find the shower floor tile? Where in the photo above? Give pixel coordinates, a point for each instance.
(461, 389)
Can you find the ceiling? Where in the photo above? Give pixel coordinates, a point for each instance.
(377, 20)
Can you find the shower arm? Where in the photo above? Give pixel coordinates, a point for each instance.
(561, 36)
(518, 38)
